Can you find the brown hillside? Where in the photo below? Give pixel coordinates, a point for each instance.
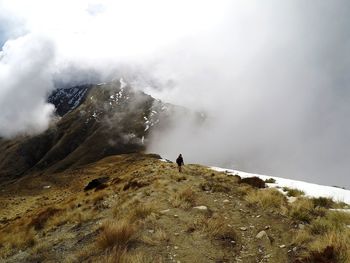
(145, 211)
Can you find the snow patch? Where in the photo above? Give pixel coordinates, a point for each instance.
(311, 190)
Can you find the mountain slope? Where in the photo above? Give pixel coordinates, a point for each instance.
(96, 121)
(145, 211)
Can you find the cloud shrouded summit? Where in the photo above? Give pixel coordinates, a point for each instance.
(271, 76)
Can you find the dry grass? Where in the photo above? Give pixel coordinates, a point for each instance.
(160, 184)
(302, 237)
(293, 192)
(323, 202)
(18, 238)
(340, 241)
(218, 229)
(324, 233)
(270, 181)
(244, 189)
(159, 236)
(118, 255)
(332, 221)
(81, 255)
(199, 223)
(303, 209)
(266, 198)
(184, 199)
(141, 211)
(98, 200)
(219, 183)
(70, 213)
(118, 234)
(134, 211)
(40, 220)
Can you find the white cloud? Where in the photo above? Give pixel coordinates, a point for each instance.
(25, 77)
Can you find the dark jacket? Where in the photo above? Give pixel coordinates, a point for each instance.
(180, 161)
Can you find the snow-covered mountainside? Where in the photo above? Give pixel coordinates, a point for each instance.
(312, 190)
(67, 99)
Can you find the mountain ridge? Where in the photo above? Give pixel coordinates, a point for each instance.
(93, 121)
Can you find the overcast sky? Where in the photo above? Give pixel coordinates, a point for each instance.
(272, 76)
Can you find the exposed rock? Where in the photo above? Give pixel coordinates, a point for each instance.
(226, 201)
(201, 207)
(282, 246)
(96, 183)
(164, 211)
(261, 235)
(253, 181)
(243, 228)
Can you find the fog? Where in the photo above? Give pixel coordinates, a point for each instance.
(270, 76)
(25, 84)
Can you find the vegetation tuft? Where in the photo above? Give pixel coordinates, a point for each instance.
(293, 192)
(116, 234)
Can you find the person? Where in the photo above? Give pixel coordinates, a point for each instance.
(180, 162)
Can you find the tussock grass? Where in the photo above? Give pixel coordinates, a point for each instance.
(340, 241)
(218, 182)
(156, 238)
(184, 199)
(40, 220)
(141, 211)
(216, 186)
(332, 221)
(244, 189)
(320, 226)
(302, 237)
(266, 198)
(323, 202)
(119, 234)
(218, 229)
(18, 238)
(98, 197)
(118, 255)
(70, 216)
(82, 254)
(303, 209)
(293, 192)
(134, 211)
(270, 181)
(197, 224)
(329, 232)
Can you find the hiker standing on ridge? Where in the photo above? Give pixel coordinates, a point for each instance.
(180, 162)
